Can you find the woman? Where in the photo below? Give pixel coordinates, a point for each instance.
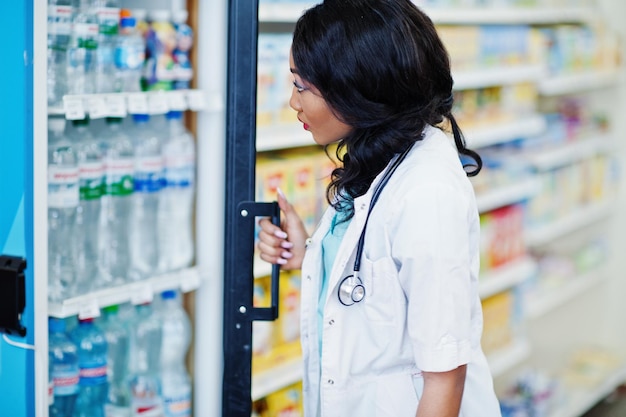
(393, 328)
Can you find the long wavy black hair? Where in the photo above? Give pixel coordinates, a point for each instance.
(382, 69)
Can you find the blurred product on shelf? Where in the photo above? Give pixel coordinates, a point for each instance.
(502, 236)
(274, 80)
(107, 16)
(286, 402)
(91, 182)
(176, 336)
(148, 182)
(587, 367)
(63, 200)
(277, 343)
(130, 54)
(289, 308)
(490, 46)
(64, 370)
(302, 174)
(145, 362)
(83, 52)
(92, 361)
(499, 322)
(532, 394)
(572, 187)
(183, 71)
(176, 199)
(59, 30)
(94, 46)
(117, 335)
(485, 107)
(160, 44)
(262, 331)
(564, 267)
(118, 151)
(578, 48)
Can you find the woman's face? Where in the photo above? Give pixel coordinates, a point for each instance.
(313, 112)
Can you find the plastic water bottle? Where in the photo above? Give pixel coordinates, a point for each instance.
(118, 152)
(144, 246)
(63, 198)
(176, 383)
(108, 16)
(83, 52)
(130, 54)
(92, 361)
(63, 357)
(145, 384)
(91, 180)
(117, 335)
(59, 29)
(177, 198)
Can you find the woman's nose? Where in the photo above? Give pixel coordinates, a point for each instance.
(294, 100)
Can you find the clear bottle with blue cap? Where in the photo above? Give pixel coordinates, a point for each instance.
(176, 205)
(176, 383)
(148, 183)
(64, 371)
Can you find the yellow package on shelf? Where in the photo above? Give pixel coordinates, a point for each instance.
(497, 322)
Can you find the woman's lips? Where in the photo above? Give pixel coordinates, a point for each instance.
(304, 125)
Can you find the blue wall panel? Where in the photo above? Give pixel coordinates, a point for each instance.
(17, 394)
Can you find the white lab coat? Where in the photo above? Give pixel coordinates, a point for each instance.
(421, 311)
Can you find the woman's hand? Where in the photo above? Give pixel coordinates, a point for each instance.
(283, 245)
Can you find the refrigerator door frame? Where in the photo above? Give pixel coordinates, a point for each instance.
(24, 361)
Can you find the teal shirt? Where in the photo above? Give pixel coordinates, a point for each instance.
(330, 246)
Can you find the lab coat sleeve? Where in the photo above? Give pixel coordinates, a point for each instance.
(430, 241)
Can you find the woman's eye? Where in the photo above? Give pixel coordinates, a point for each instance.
(298, 86)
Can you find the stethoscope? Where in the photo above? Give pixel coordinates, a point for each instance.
(351, 289)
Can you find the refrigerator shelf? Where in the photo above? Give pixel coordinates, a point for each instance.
(89, 305)
(121, 104)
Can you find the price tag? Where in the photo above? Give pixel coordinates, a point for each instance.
(157, 103)
(137, 103)
(97, 107)
(89, 310)
(73, 107)
(141, 294)
(176, 100)
(196, 100)
(189, 280)
(116, 105)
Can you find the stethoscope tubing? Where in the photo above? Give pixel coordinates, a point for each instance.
(352, 289)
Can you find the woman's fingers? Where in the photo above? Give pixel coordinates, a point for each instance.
(273, 246)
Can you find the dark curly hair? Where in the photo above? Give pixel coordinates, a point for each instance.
(382, 68)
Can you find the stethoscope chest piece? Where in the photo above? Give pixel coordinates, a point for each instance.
(351, 290)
